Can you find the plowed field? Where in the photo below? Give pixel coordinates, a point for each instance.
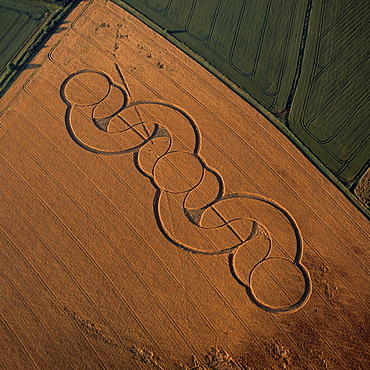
(153, 219)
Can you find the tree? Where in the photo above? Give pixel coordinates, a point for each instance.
(11, 67)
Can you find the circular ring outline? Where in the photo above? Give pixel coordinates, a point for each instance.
(125, 105)
(183, 191)
(172, 239)
(258, 302)
(73, 75)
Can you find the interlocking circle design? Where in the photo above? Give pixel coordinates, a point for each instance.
(166, 141)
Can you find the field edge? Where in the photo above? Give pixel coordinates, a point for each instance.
(37, 40)
(279, 123)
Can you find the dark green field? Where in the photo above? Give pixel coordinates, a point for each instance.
(25, 25)
(235, 37)
(305, 61)
(330, 111)
(19, 21)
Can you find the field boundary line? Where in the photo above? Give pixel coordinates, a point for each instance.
(249, 99)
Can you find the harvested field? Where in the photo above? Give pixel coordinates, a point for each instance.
(153, 219)
(305, 61)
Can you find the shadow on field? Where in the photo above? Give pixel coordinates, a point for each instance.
(60, 29)
(176, 31)
(32, 66)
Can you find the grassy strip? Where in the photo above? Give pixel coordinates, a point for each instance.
(16, 65)
(279, 123)
(300, 59)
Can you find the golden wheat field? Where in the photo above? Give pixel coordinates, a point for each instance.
(152, 219)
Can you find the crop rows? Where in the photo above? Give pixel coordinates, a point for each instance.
(235, 38)
(18, 22)
(305, 61)
(331, 107)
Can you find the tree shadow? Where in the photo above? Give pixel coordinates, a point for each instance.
(176, 31)
(60, 29)
(32, 66)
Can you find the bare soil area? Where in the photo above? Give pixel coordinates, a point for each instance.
(152, 219)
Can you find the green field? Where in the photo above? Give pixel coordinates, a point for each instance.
(25, 25)
(305, 60)
(330, 111)
(235, 37)
(18, 22)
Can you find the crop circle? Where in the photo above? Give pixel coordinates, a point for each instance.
(178, 172)
(87, 88)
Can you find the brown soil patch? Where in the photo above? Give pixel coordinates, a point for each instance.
(152, 219)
